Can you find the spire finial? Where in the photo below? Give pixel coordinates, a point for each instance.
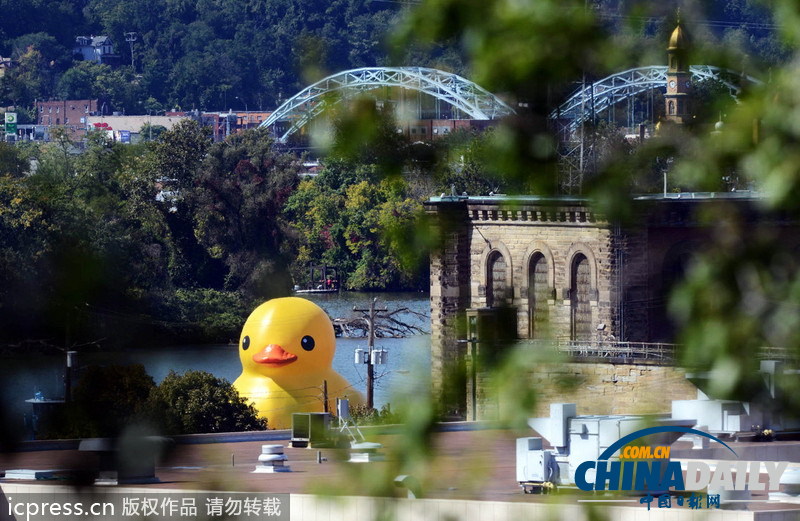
(679, 15)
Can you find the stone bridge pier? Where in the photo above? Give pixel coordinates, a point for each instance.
(551, 268)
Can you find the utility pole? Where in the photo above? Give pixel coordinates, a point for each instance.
(130, 38)
(370, 318)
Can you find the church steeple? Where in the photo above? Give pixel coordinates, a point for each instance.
(677, 103)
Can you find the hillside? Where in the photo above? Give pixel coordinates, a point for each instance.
(215, 55)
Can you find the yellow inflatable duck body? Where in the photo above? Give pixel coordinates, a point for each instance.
(286, 349)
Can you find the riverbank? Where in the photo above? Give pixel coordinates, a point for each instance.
(407, 367)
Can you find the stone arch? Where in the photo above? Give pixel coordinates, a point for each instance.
(582, 248)
(539, 288)
(582, 290)
(580, 298)
(489, 257)
(542, 248)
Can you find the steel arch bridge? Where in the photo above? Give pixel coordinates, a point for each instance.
(464, 95)
(622, 85)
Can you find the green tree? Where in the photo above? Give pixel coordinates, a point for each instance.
(465, 167)
(150, 132)
(341, 217)
(198, 402)
(53, 53)
(56, 158)
(28, 81)
(179, 153)
(78, 82)
(174, 161)
(238, 197)
(12, 162)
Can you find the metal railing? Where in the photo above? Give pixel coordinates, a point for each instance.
(661, 352)
(658, 352)
(779, 353)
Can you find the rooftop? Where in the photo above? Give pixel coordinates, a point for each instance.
(470, 462)
(534, 199)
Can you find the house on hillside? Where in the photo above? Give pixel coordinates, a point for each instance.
(98, 49)
(6, 63)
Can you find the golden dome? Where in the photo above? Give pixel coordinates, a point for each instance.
(679, 39)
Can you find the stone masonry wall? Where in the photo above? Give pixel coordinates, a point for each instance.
(559, 233)
(602, 388)
(449, 272)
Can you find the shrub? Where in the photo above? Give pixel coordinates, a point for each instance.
(363, 415)
(199, 402)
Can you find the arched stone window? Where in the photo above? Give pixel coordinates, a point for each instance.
(496, 280)
(538, 292)
(671, 106)
(580, 295)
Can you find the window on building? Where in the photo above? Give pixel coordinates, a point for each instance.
(538, 293)
(496, 281)
(580, 294)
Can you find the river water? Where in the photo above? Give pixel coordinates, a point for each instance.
(408, 366)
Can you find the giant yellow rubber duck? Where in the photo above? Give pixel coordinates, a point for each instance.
(286, 349)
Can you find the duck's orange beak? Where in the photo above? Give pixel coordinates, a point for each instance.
(274, 355)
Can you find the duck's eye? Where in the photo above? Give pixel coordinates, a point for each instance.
(307, 342)
(245, 343)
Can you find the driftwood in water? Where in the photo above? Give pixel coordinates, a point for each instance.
(388, 324)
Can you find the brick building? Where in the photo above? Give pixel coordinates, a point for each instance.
(223, 124)
(430, 129)
(71, 114)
